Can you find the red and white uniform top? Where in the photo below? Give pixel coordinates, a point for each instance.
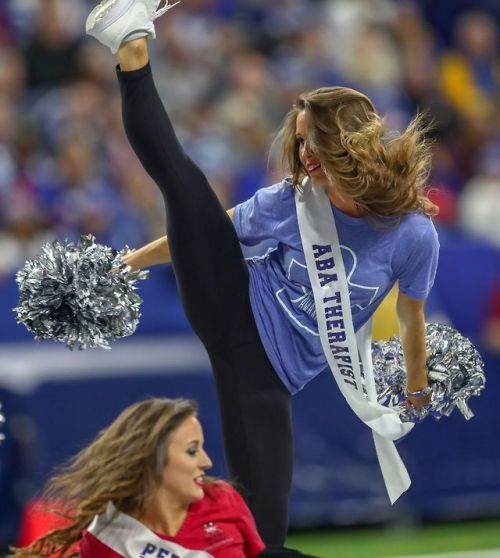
(218, 526)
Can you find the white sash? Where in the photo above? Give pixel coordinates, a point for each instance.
(331, 296)
(131, 539)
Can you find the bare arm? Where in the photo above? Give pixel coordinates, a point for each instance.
(154, 253)
(412, 332)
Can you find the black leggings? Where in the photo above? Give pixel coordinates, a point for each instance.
(213, 283)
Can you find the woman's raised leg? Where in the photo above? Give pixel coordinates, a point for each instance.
(206, 255)
(213, 282)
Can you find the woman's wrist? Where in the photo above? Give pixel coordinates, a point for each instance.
(131, 259)
(417, 378)
(424, 392)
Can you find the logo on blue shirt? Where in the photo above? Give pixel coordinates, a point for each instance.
(297, 299)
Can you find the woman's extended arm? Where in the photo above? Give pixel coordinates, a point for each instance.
(412, 332)
(154, 253)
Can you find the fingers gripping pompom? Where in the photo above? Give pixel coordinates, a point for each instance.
(82, 295)
(455, 368)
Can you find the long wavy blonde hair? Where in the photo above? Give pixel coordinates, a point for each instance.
(384, 175)
(124, 465)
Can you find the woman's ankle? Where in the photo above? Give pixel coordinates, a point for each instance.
(133, 55)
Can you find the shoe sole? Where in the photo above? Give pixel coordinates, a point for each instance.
(96, 14)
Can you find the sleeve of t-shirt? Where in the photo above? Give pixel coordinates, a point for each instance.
(417, 275)
(91, 547)
(256, 219)
(253, 543)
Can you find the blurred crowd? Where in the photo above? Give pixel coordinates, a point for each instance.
(228, 71)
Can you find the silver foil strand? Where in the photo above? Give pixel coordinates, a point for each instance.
(455, 368)
(2, 421)
(82, 295)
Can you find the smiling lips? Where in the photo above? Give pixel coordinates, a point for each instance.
(199, 480)
(312, 167)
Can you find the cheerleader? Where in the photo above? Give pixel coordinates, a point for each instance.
(265, 324)
(141, 489)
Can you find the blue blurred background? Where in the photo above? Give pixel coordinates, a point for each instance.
(228, 71)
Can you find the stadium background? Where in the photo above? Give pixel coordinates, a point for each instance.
(229, 70)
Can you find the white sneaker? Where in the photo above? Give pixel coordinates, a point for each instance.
(113, 22)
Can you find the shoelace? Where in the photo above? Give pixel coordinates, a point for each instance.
(160, 11)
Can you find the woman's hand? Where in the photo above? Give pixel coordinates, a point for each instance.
(129, 259)
(419, 401)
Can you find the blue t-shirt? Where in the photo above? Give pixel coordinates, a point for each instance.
(375, 257)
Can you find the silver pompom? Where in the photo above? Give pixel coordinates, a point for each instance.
(82, 295)
(456, 372)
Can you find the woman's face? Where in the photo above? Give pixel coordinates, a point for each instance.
(186, 464)
(307, 157)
